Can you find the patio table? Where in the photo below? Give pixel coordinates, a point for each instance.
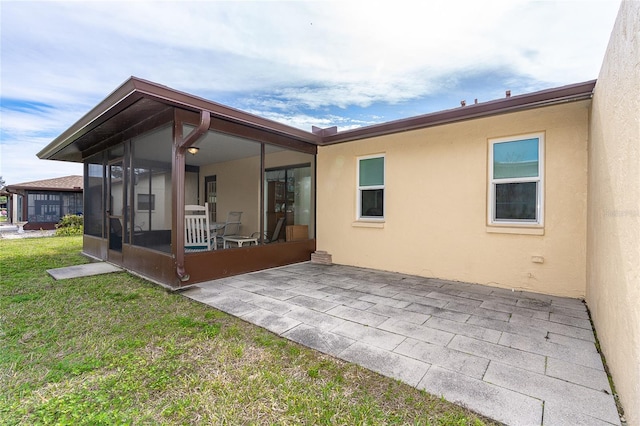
(240, 240)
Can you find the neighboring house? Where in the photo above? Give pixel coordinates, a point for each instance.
(43, 203)
(537, 192)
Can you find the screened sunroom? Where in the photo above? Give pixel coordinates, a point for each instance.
(149, 151)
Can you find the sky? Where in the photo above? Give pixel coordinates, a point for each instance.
(322, 63)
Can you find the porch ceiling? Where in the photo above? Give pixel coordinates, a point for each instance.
(107, 133)
(215, 147)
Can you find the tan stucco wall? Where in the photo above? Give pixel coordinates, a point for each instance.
(613, 272)
(238, 186)
(436, 204)
(191, 188)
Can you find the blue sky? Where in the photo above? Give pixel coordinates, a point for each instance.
(324, 63)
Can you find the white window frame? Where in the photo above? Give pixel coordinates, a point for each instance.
(491, 203)
(359, 215)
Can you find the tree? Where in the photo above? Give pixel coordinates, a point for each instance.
(2, 182)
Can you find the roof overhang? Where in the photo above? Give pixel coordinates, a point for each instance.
(22, 189)
(559, 95)
(135, 101)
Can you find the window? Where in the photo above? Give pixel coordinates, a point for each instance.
(44, 207)
(371, 187)
(146, 202)
(516, 180)
(211, 195)
(288, 193)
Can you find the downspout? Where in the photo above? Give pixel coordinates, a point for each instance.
(180, 146)
(262, 176)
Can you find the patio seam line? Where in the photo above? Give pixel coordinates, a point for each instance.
(343, 356)
(546, 393)
(448, 358)
(506, 349)
(372, 328)
(542, 400)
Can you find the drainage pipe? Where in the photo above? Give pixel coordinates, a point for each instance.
(180, 145)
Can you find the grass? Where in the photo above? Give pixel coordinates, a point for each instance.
(115, 349)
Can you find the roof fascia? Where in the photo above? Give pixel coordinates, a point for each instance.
(564, 94)
(39, 188)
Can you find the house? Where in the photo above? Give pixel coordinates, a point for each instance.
(385, 187)
(536, 192)
(43, 203)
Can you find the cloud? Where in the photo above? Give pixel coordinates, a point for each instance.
(302, 63)
(245, 46)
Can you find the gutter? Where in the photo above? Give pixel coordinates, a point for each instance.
(560, 95)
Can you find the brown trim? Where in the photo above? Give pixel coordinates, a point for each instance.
(154, 265)
(212, 265)
(159, 267)
(151, 264)
(570, 93)
(95, 247)
(262, 178)
(36, 226)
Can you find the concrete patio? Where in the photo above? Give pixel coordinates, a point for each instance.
(519, 358)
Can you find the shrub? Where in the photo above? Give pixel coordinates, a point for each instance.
(70, 225)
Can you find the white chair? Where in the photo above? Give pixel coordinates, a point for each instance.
(197, 234)
(196, 209)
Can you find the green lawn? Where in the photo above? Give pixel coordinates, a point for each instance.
(115, 349)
